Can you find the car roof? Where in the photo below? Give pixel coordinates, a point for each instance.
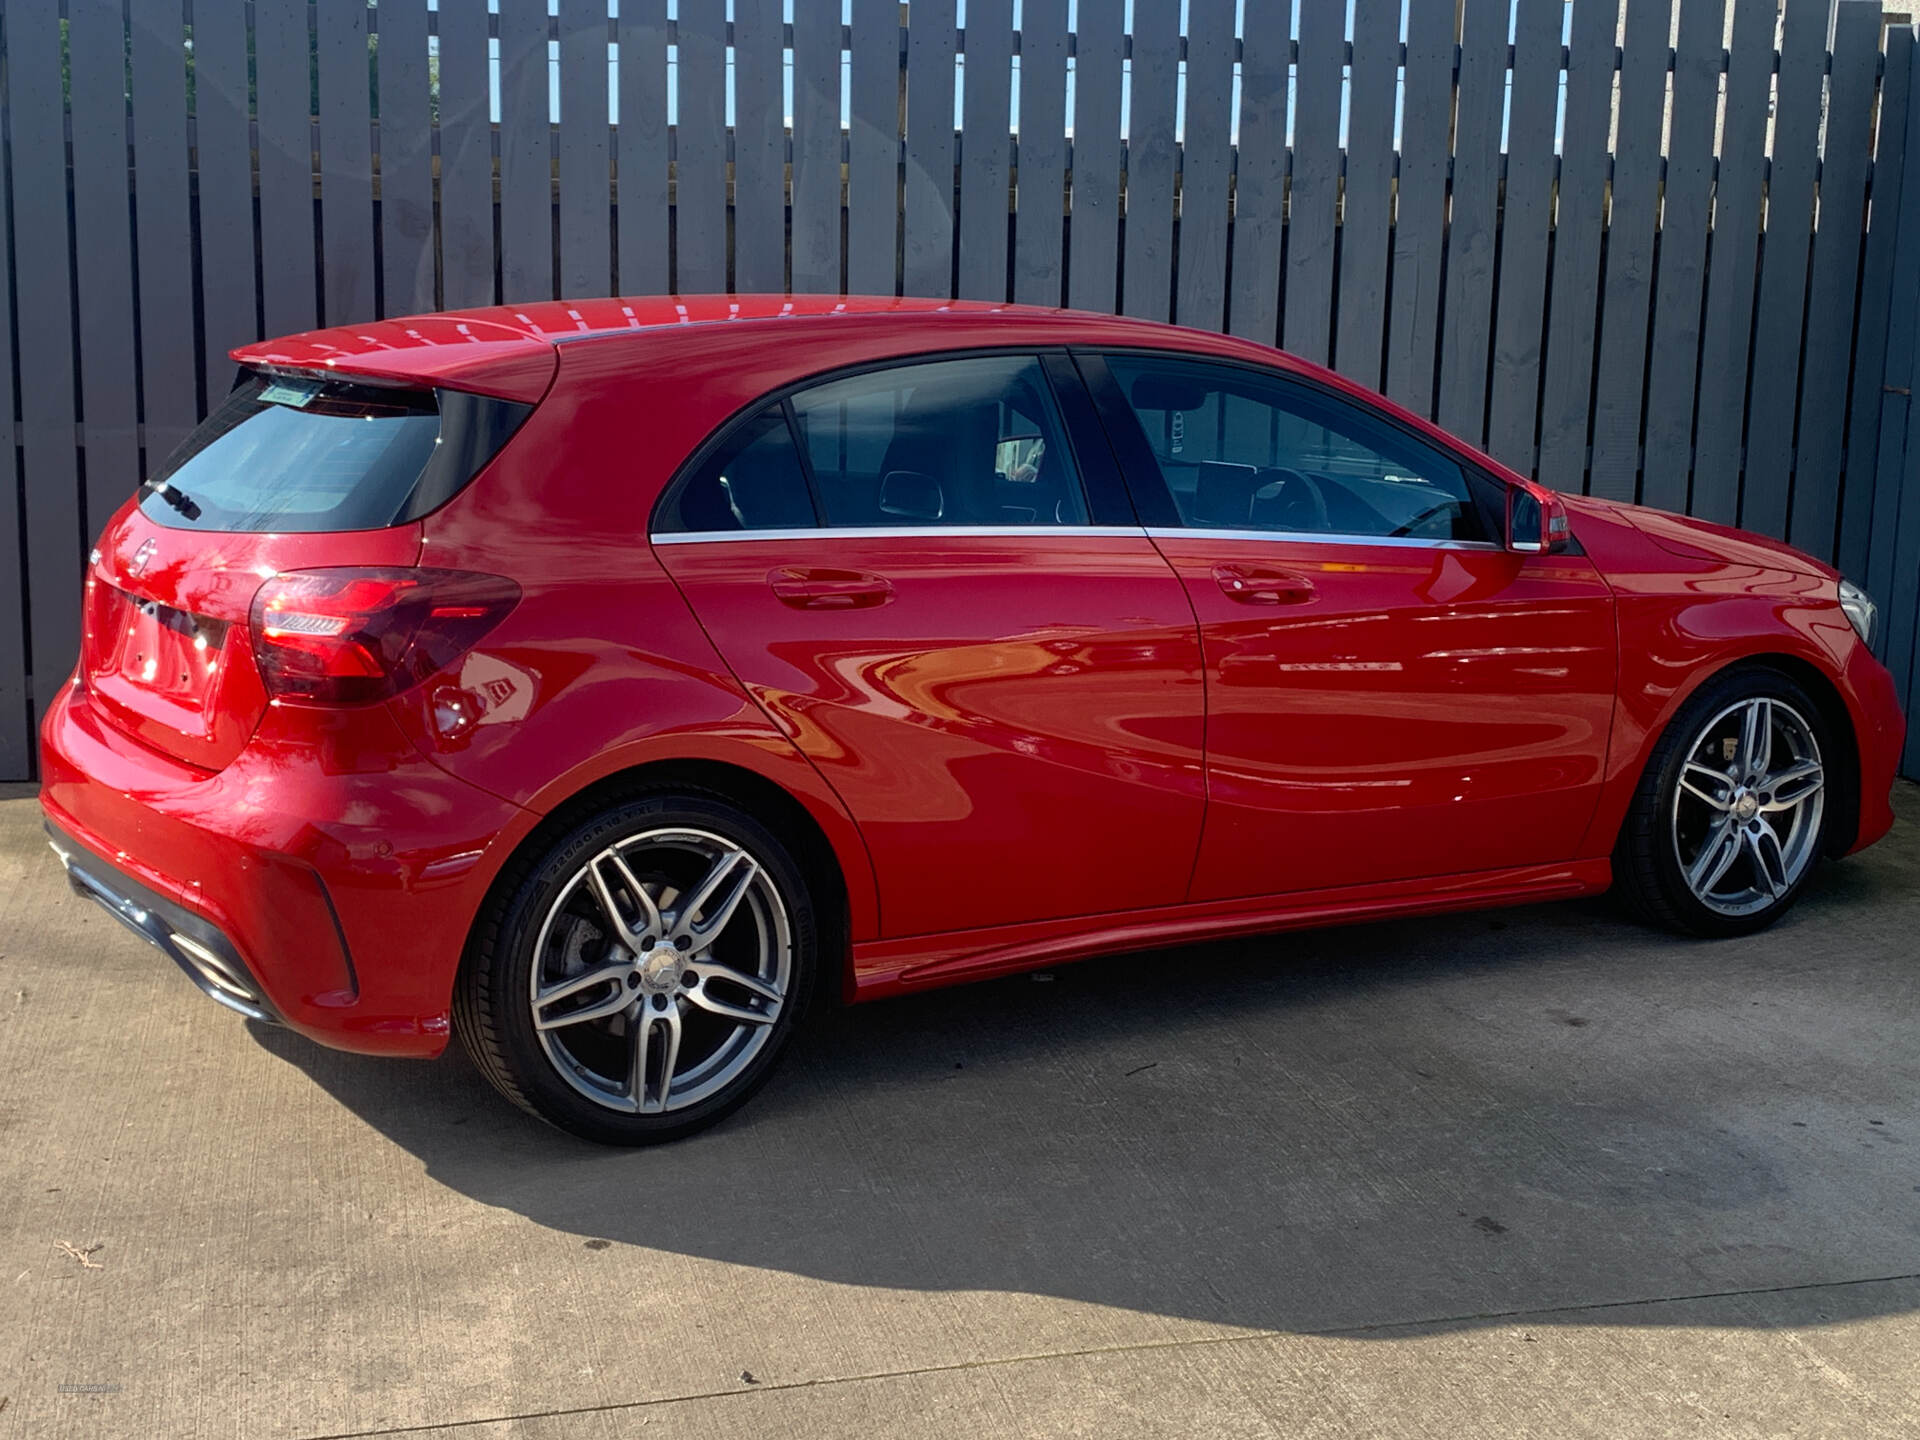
(513, 351)
(509, 350)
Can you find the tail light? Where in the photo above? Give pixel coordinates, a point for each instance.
(346, 637)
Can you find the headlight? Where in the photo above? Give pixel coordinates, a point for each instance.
(1860, 609)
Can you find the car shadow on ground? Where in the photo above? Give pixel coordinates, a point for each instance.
(1445, 1120)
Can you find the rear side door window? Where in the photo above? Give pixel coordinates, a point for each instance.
(969, 442)
(1240, 450)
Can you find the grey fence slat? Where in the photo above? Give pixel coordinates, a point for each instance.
(466, 159)
(760, 149)
(16, 721)
(816, 148)
(1572, 321)
(1894, 463)
(1764, 495)
(1894, 511)
(1835, 283)
(586, 239)
(224, 150)
(1903, 647)
(1147, 256)
(1514, 406)
(1314, 194)
(700, 151)
(1362, 321)
(1910, 757)
(103, 255)
(1418, 234)
(165, 233)
(1467, 337)
(1903, 589)
(526, 154)
(644, 241)
(1668, 448)
(1730, 276)
(1042, 170)
(42, 278)
(873, 144)
(1635, 216)
(984, 122)
(1896, 521)
(1260, 183)
(1093, 244)
(1876, 290)
(1206, 165)
(927, 244)
(346, 164)
(406, 160)
(282, 50)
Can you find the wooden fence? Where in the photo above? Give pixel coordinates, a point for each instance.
(1657, 250)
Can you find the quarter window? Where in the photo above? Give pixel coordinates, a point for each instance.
(752, 482)
(1243, 451)
(971, 441)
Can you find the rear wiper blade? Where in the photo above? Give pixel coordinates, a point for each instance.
(178, 499)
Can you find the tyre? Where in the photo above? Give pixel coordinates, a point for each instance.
(639, 979)
(1730, 816)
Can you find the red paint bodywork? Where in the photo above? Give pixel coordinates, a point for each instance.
(1041, 747)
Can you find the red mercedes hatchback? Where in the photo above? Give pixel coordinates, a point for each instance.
(607, 682)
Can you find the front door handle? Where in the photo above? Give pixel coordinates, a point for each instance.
(807, 587)
(1252, 585)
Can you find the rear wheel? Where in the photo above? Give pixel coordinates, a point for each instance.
(645, 973)
(1731, 813)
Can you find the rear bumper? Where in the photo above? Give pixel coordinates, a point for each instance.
(332, 873)
(203, 953)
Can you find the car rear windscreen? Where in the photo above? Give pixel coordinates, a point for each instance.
(302, 454)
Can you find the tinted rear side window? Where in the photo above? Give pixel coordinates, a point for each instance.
(752, 482)
(293, 454)
(975, 441)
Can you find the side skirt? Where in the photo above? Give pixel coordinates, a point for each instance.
(892, 967)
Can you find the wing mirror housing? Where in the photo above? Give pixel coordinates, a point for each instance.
(1536, 520)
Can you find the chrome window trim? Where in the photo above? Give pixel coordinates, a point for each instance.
(900, 532)
(1314, 537)
(988, 532)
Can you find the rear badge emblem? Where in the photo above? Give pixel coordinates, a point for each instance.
(137, 566)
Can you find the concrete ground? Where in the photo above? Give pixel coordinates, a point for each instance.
(1538, 1172)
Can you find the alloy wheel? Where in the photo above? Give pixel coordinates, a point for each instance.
(1747, 806)
(660, 969)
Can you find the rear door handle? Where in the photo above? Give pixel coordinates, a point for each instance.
(806, 587)
(1252, 585)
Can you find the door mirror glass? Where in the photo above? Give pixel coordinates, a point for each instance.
(1536, 521)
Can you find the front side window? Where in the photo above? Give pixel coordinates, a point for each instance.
(1244, 451)
(975, 441)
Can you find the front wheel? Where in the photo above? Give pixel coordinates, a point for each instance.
(642, 977)
(1731, 813)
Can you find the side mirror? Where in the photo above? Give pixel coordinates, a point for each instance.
(1536, 520)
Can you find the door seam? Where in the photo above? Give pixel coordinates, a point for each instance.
(866, 847)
